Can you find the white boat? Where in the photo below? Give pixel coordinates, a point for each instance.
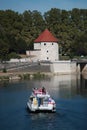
(40, 101)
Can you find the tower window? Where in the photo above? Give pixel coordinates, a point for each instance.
(47, 51)
(52, 43)
(47, 58)
(44, 43)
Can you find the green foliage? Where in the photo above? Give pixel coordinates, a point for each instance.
(38, 75)
(4, 49)
(4, 78)
(64, 57)
(13, 55)
(79, 46)
(18, 31)
(4, 70)
(24, 76)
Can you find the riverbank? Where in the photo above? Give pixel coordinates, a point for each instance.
(35, 71)
(23, 75)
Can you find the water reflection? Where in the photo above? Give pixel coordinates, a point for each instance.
(35, 116)
(82, 84)
(64, 86)
(60, 86)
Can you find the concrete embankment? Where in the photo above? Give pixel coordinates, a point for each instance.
(25, 71)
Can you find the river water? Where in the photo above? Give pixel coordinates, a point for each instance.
(69, 93)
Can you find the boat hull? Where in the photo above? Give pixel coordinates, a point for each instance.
(37, 110)
(41, 101)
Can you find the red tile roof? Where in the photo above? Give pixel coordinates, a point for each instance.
(46, 36)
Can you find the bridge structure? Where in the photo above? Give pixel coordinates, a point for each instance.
(82, 64)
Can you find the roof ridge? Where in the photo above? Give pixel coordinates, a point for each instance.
(46, 36)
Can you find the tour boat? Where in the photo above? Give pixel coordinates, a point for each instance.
(41, 101)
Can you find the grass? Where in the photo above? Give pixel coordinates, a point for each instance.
(37, 75)
(25, 76)
(4, 78)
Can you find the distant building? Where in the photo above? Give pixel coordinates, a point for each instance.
(45, 47)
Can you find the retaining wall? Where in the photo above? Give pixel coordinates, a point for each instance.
(63, 67)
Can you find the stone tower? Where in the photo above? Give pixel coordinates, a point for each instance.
(47, 46)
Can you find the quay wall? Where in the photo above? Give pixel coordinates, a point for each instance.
(63, 67)
(50, 68)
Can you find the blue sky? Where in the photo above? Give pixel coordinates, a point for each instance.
(41, 5)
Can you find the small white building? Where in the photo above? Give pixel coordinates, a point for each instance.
(45, 47)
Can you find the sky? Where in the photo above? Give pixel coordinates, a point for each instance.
(41, 5)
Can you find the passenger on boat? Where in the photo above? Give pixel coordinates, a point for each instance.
(39, 91)
(43, 90)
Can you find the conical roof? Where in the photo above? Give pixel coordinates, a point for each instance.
(46, 36)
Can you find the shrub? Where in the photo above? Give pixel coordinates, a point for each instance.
(14, 55)
(4, 70)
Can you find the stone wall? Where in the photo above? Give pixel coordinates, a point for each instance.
(44, 51)
(49, 51)
(34, 55)
(63, 67)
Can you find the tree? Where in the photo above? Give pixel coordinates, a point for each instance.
(53, 20)
(80, 45)
(4, 50)
(38, 21)
(21, 46)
